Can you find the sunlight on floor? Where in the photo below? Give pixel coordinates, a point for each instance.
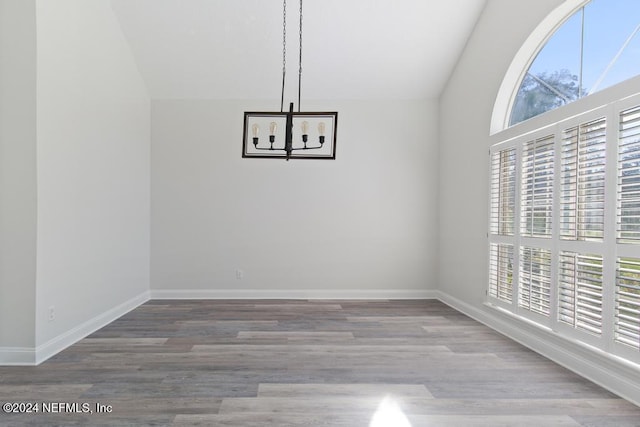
(389, 414)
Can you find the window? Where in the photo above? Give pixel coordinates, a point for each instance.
(564, 230)
(595, 48)
(535, 280)
(537, 187)
(580, 291)
(582, 181)
(627, 314)
(501, 279)
(628, 223)
(503, 192)
(564, 202)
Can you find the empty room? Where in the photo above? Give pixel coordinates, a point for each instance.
(347, 213)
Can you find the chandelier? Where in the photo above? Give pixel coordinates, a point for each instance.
(289, 134)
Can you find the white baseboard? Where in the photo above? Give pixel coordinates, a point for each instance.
(610, 372)
(293, 294)
(17, 356)
(62, 341)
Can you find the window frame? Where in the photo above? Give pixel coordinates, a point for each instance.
(607, 103)
(523, 59)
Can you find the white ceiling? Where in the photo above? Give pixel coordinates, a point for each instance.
(352, 49)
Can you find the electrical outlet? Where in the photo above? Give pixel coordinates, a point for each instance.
(239, 274)
(52, 313)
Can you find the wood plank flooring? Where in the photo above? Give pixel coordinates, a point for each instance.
(306, 363)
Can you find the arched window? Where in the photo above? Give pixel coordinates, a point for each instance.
(597, 47)
(564, 191)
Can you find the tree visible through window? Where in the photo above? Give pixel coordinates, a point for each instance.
(597, 47)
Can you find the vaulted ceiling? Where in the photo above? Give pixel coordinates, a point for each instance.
(352, 49)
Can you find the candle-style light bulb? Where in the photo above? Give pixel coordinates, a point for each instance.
(305, 132)
(321, 129)
(272, 132)
(256, 130)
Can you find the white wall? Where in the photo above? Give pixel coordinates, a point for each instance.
(93, 172)
(17, 177)
(363, 225)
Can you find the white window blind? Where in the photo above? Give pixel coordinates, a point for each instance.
(501, 274)
(537, 187)
(583, 181)
(580, 276)
(535, 280)
(629, 176)
(580, 291)
(627, 314)
(503, 192)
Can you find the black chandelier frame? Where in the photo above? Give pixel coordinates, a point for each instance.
(294, 143)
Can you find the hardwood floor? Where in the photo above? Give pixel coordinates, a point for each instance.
(306, 363)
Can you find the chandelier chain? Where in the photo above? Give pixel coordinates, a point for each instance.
(284, 51)
(300, 59)
(284, 54)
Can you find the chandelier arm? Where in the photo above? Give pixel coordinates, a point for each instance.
(269, 149)
(307, 148)
(292, 149)
(284, 51)
(300, 59)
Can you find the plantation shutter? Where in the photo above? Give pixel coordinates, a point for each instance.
(627, 314)
(537, 187)
(582, 181)
(580, 291)
(503, 192)
(535, 280)
(564, 226)
(501, 274)
(628, 222)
